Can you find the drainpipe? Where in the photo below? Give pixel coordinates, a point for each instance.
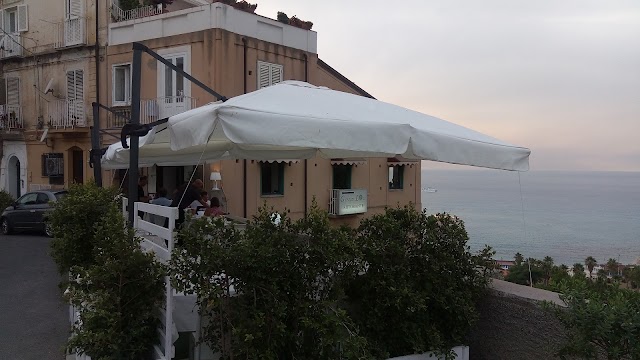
(95, 133)
(244, 162)
(306, 162)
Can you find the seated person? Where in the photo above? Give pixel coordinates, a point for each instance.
(215, 209)
(200, 204)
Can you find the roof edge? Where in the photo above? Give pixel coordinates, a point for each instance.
(344, 79)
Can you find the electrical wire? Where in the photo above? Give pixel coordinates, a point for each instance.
(15, 41)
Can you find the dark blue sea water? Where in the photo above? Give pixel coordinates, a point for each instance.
(567, 215)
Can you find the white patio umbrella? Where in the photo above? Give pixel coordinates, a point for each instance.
(295, 120)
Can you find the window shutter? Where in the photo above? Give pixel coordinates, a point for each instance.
(276, 74)
(71, 90)
(74, 9)
(2, 23)
(23, 18)
(79, 84)
(263, 75)
(13, 91)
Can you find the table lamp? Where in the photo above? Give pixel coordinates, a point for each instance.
(215, 176)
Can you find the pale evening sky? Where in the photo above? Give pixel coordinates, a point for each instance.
(561, 77)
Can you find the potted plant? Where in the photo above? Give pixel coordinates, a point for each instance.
(283, 18)
(295, 21)
(245, 6)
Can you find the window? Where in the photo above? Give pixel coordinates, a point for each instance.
(14, 20)
(269, 74)
(174, 84)
(272, 178)
(342, 176)
(53, 165)
(12, 91)
(42, 199)
(28, 199)
(122, 85)
(75, 96)
(396, 177)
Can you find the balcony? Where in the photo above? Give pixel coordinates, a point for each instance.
(146, 24)
(11, 46)
(62, 114)
(11, 117)
(152, 110)
(71, 32)
(118, 15)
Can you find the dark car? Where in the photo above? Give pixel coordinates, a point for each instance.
(28, 212)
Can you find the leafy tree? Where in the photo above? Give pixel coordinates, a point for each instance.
(578, 269)
(602, 274)
(73, 222)
(421, 282)
(518, 258)
(520, 274)
(6, 200)
(634, 276)
(117, 294)
(590, 262)
(612, 266)
(547, 267)
(272, 291)
(599, 320)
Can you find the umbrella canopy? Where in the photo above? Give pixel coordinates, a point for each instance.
(295, 120)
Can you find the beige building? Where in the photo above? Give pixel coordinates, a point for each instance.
(50, 81)
(47, 56)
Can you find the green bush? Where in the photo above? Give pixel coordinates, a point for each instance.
(74, 222)
(421, 283)
(117, 295)
(6, 200)
(287, 281)
(600, 319)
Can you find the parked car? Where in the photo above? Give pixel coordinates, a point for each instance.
(29, 212)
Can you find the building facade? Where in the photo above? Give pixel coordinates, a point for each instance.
(47, 55)
(53, 70)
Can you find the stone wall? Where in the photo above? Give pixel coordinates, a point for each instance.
(513, 325)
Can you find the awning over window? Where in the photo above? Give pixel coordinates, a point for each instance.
(348, 161)
(286, 161)
(395, 161)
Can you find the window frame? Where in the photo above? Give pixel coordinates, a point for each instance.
(127, 85)
(171, 54)
(400, 173)
(348, 174)
(280, 166)
(271, 67)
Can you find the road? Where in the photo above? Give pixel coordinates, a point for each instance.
(33, 317)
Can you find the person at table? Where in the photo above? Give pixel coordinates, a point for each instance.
(215, 209)
(142, 182)
(161, 198)
(185, 196)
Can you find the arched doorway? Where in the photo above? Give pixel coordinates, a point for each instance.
(77, 165)
(13, 177)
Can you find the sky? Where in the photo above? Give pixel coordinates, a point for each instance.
(561, 77)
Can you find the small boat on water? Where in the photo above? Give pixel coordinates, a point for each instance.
(430, 190)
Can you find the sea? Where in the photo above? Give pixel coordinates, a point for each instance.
(565, 215)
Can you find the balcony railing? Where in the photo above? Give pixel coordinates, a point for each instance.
(117, 14)
(152, 110)
(66, 114)
(71, 32)
(11, 117)
(11, 45)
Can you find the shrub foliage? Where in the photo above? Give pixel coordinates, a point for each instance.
(404, 282)
(421, 282)
(6, 200)
(115, 286)
(271, 292)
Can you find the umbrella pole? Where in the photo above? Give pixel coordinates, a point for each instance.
(134, 139)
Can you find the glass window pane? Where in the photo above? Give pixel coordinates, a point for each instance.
(179, 77)
(168, 82)
(12, 22)
(120, 84)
